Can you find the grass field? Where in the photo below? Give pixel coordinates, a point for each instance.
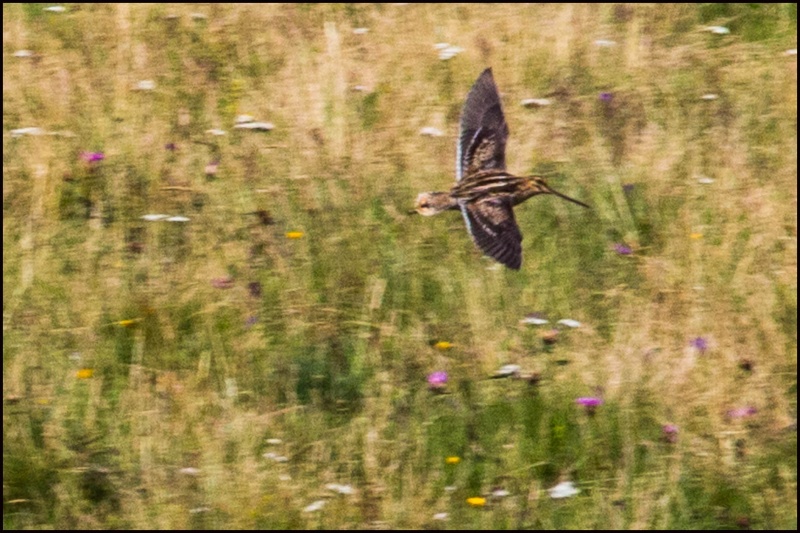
(246, 371)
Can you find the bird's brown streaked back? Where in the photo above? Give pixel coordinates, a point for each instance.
(484, 191)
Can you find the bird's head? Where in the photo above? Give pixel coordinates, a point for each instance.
(432, 203)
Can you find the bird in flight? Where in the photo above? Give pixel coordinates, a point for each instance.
(485, 192)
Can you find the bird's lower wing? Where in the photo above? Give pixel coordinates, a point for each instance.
(491, 223)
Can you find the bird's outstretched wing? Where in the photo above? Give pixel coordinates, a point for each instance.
(490, 221)
(483, 131)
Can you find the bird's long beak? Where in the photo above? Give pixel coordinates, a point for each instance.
(412, 212)
(565, 197)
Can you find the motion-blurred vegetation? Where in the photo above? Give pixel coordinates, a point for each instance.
(264, 364)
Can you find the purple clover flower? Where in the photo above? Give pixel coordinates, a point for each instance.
(622, 249)
(700, 344)
(606, 97)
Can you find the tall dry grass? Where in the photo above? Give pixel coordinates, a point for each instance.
(138, 394)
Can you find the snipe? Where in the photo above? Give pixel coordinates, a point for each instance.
(485, 192)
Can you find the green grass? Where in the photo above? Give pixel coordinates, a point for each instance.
(139, 395)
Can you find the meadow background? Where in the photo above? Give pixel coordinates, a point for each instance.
(239, 370)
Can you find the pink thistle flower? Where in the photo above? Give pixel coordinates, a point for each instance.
(222, 283)
(437, 381)
(92, 157)
(742, 412)
(590, 403)
(669, 433)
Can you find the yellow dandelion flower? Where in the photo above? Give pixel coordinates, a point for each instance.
(452, 460)
(84, 373)
(476, 501)
(443, 345)
(696, 236)
(128, 322)
(294, 234)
